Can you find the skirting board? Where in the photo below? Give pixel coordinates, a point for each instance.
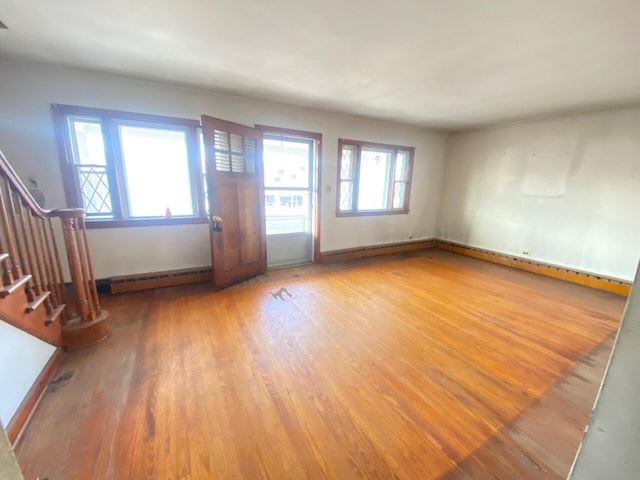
(374, 250)
(144, 281)
(33, 397)
(594, 280)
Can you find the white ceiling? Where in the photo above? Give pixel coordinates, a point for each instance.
(448, 64)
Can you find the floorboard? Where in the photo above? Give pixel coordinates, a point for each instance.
(429, 365)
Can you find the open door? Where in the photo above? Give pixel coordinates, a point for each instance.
(236, 201)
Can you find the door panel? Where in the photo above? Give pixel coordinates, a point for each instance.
(235, 183)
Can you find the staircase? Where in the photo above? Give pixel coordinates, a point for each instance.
(39, 251)
(34, 295)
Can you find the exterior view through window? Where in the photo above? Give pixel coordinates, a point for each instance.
(122, 166)
(287, 184)
(288, 188)
(374, 179)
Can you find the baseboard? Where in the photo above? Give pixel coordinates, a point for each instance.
(170, 278)
(601, 282)
(374, 250)
(33, 397)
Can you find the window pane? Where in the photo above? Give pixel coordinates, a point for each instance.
(347, 162)
(89, 144)
(373, 184)
(346, 196)
(94, 189)
(157, 171)
(287, 211)
(203, 170)
(286, 163)
(402, 162)
(398, 195)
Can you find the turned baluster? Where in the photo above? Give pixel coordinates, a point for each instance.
(92, 278)
(83, 267)
(11, 210)
(13, 269)
(46, 262)
(62, 294)
(75, 268)
(30, 257)
(37, 270)
(55, 282)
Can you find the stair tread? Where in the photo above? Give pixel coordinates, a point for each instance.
(12, 287)
(55, 314)
(39, 300)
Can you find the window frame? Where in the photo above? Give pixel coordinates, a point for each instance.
(110, 121)
(360, 145)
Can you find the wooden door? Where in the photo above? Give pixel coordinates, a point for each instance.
(236, 201)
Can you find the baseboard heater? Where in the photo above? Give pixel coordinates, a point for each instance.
(144, 281)
(601, 282)
(374, 250)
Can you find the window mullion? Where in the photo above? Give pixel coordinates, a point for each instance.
(114, 160)
(392, 179)
(356, 179)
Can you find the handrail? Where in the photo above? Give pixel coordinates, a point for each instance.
(7, 171)
(32, 250)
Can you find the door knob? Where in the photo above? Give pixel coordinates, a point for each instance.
(216, 223)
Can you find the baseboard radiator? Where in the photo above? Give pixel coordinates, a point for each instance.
(374, 250)
(131, 283)
(601, 282)
(144, 281)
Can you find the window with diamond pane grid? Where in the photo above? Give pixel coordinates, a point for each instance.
(346, 195)
(129, 166)
(94, 186)
(374, 179)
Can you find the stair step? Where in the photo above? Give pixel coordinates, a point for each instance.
(54, 315)
(39, 300)
(9, 289)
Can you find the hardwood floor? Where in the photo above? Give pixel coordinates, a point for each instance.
(428, 366)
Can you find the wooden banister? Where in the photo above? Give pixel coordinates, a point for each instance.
(27, 237)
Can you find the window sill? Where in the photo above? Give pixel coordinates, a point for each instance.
(369, 213)
(144, 222)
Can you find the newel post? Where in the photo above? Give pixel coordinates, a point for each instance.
(69, 229)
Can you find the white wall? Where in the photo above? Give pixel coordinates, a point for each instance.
(22, 358)
(566, 190)
(611, 444)
(27, 139)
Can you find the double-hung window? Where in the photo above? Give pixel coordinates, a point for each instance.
(373, 178)
(130, 169)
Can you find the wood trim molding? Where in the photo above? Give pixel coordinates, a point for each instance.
(317, 187)
(601, 282)
(170, 278)
(32, 399)
(374, 250)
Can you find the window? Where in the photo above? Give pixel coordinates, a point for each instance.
(130, 169)
(288, 184)
(373, 179)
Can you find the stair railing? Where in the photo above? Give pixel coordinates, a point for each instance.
(33, 260)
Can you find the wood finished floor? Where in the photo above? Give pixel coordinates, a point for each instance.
(429, 366)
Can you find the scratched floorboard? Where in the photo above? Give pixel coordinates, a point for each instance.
(429, 365)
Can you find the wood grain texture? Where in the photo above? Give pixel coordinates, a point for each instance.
(33, 397)
(435, 366)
